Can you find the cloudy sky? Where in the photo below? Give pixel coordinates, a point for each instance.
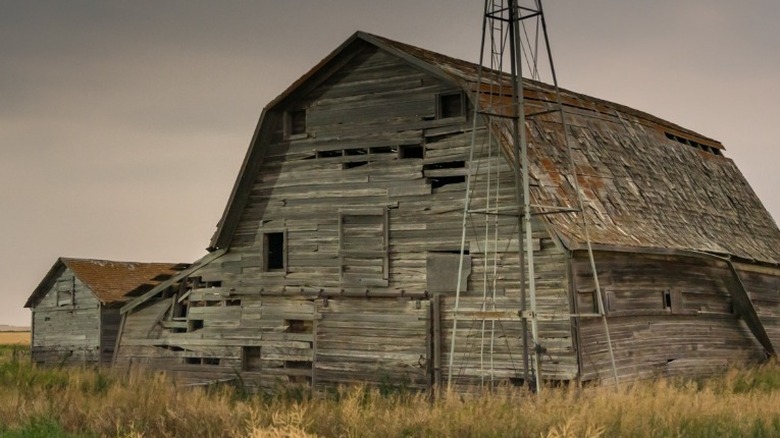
(123, 124)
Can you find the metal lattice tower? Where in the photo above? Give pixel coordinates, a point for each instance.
(514, 43)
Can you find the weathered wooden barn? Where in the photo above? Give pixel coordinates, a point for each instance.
(336, 257)
(75, 308)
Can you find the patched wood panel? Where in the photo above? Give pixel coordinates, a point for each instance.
(375, 341)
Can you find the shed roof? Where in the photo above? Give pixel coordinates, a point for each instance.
(110, 281)
(647, 184)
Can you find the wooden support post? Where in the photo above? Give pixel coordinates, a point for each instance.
(436, 317)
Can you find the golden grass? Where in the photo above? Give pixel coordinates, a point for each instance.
(136, 404)
(14, 338)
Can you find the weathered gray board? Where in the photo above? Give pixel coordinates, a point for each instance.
(668, 315)
(66, 323)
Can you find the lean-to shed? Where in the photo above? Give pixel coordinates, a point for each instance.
(336, 257)
(75, 308)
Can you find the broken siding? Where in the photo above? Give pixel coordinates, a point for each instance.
(67, 326)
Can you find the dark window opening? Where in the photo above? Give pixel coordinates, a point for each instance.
(233, 302)
(192, 360)
(213, 284)
(297, 121)
(328, 154)
(210, 361)
(451, 105)
(667, 299)
(355, 164)
(251, 359)
(411, 151)
(274, 251)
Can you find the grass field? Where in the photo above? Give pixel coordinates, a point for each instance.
(84, 402)
(14, 338)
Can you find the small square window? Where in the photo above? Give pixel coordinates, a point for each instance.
(452, 105)
(274, 258)
(296, 122)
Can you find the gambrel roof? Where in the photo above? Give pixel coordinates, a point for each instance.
(647, 184)
(109, 281)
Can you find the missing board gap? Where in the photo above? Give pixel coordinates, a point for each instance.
(411, 151)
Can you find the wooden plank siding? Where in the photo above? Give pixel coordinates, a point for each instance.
(668, 315)
(66, 328)
(374, 144)
(473, 362)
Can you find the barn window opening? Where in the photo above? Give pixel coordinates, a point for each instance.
(233, 302)
(411, 151)
(273, 252)
(194, 324)
(251, 359)
(442, 174)
(667, 299)
(452, 105)
(65, 290)
(210, 361)
(296, 122)
(192, 360)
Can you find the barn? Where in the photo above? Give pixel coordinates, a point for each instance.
(75, 308)
(337, 257)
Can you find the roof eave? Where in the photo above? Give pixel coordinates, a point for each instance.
(41, 289)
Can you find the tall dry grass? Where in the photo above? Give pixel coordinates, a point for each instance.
(87, 402)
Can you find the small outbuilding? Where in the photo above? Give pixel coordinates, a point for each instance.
(75, 308)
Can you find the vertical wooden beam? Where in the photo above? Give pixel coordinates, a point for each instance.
(118, 339)
(436, 316)
(314, 330)
(747, 311)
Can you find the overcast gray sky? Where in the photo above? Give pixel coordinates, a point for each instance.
(123, 124)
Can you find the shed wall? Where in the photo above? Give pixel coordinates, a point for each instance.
(66, 331)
